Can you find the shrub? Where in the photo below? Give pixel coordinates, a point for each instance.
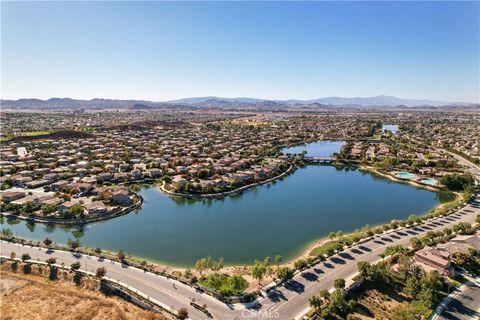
(25, 257)
(75, 266)
(101, 272)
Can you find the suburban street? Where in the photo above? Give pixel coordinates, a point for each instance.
(286, 302)
(464, 306)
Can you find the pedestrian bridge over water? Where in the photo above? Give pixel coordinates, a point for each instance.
(320, 159)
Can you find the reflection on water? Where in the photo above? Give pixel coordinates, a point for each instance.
(316, 149)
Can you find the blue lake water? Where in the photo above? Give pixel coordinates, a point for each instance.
(316, 149)
(393, 128)
(280, 218)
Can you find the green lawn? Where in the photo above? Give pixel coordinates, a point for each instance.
(226, 285)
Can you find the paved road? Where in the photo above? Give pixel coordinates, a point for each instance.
(465, 305)
(288, 301)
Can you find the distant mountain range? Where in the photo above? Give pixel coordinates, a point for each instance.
(377, 101)
(217, 102)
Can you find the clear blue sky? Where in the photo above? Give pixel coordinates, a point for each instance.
(276, 50)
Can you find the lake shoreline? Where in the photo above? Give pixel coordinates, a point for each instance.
(302, 253)
(298, 247)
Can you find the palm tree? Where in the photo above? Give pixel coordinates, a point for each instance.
(278, 259)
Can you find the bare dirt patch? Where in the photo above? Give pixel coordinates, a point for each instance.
(34, 297)
(375, 304)
(66, 134)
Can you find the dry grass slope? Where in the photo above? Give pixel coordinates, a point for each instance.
(33, 297)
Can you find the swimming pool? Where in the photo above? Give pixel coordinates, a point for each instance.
(429, 181)
(405, 175)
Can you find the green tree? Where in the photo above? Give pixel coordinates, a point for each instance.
(300, 264)
(316, 303)
(76, 210)
(284, 274)
(412, 287)
(339, 283)
(278, 259)
(364, 269)
(415, 243)
(49, 208)
(258, 271)
(457, 182)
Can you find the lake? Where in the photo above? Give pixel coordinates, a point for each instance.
(280, 218)
(316, 149)
(393, 128)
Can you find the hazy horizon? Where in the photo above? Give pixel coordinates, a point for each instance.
(239, 98)
(162, 51)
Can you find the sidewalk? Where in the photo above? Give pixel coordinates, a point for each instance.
(446, 301)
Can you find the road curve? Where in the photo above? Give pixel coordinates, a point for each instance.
(287, 301)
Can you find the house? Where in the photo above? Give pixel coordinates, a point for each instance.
(100, 190)
(436, 258)
(104, 176)
(179, 182)
(43, 200)
(58, 186)
(37, 183)
(8, 196)
(136, 174)
(64, 207)
(121, 196)
(20, 181)
(96, 207)
(51, 177)
(468, 241)
(28, 199)
(84, 187)
(22, 152)
(119, 176)
(426, 171)
(155, 173)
